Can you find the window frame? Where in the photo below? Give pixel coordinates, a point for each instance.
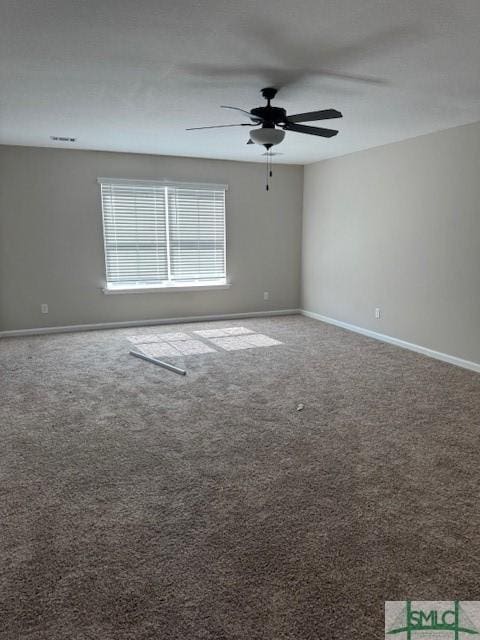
(168, 285)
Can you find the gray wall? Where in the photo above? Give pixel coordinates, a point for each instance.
(51, 245)
(399, 227)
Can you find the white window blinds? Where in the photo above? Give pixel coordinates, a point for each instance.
(197, 233)
(163, 234)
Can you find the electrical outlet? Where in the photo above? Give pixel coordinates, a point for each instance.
(44, 308)
(266, 295)
(377, 313)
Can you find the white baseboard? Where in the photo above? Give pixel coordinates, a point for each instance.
(438, 355)
(145, 323)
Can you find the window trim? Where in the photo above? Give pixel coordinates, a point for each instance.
(164, 182)
(169, 286)
(187, 286)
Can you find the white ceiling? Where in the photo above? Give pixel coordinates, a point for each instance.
(131, 75)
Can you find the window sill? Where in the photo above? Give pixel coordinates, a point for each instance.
(167, 288)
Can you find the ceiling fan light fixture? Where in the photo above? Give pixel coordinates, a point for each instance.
(267, 136)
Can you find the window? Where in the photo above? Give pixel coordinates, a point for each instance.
(163, 234)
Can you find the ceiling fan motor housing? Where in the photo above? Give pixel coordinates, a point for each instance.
(270, 115)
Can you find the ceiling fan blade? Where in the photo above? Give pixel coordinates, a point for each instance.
(220, 126)
(314, 131)
(325, 114)
(250, 115)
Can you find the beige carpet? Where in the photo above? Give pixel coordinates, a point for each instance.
(139, 504)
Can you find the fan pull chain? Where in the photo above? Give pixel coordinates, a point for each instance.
(269, 171)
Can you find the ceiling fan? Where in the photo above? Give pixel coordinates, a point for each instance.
(274, 121)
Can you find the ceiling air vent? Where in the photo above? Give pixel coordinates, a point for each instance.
(62, 139)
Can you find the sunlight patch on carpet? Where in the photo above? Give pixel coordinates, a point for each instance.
(175, 349)
(158, 337)
(220, 333)
(178, 344)
(245, 342)
(159, 350)
(190, 347)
